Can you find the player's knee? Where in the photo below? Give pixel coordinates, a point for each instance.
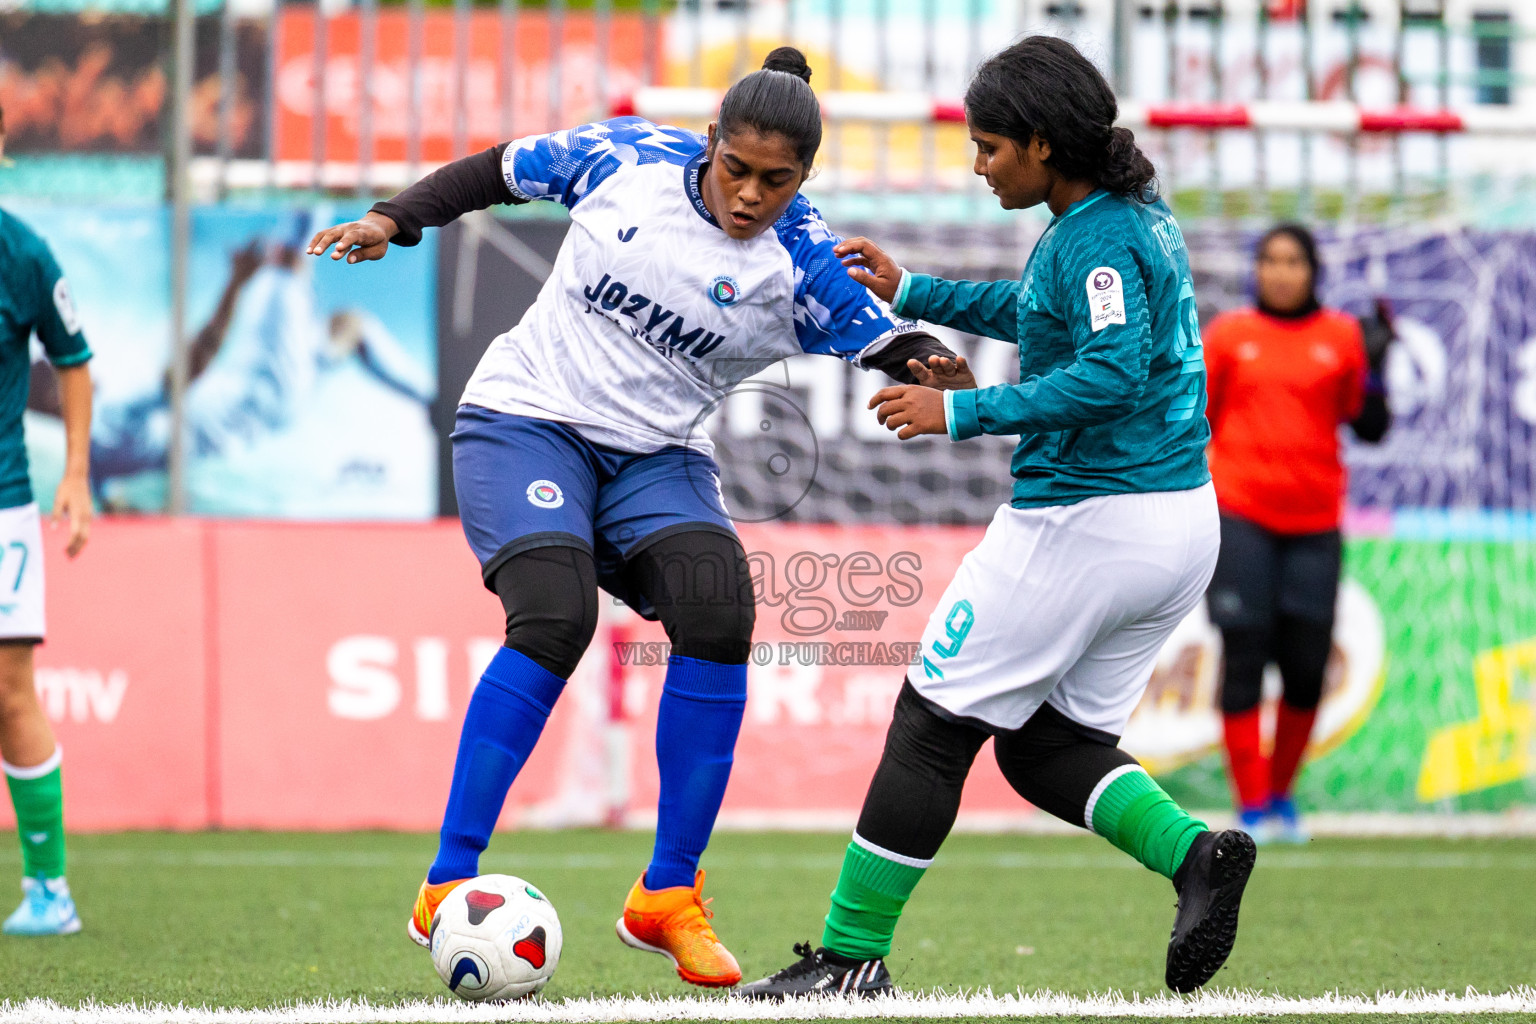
(1245, 655)
(711, 632)
(915, 794)
(550, 597)
(18, 702)
(701, 588)
(929, 745)
(555, 642)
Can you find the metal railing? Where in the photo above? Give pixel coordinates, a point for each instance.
(361, 97)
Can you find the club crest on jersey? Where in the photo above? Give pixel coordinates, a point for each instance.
(724, 290)
(545, 494)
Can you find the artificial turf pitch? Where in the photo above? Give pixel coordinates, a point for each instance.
(252, 920)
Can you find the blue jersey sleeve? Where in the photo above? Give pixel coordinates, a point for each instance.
(564, 166)
(834, 314)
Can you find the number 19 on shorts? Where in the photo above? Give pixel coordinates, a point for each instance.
(957, 626)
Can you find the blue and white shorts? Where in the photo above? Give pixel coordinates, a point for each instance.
(525, 483)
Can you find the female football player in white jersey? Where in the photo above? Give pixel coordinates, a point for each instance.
(579, 461)
(1046, 637)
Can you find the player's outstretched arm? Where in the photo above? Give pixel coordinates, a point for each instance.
(473, 183)
(72, 501)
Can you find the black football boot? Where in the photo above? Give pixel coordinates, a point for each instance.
(821, 972)
(1210, 886)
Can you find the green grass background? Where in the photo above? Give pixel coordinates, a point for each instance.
(247, 920)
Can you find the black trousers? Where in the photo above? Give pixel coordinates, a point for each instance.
(1272, 597)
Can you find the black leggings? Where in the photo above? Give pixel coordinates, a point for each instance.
(1051, 761)
(1272, 596)
(697, 580)
(1299, 648)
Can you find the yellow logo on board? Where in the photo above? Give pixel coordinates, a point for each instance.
(1497, 747)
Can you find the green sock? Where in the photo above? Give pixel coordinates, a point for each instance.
(1134, 814)
(867, 903)
(38, 796)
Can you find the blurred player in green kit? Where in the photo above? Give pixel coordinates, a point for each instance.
(34, 297)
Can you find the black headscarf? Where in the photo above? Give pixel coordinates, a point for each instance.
(1308, 244)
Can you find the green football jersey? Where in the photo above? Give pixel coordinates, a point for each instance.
(34, 296)
(1111, 392)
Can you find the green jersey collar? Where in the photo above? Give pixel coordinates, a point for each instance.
(1083, 204)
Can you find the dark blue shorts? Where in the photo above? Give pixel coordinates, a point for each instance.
(525, 483)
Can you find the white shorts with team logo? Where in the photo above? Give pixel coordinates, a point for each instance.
(21, 573)
(1068, 604)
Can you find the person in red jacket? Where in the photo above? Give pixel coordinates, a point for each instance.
(1282, 377)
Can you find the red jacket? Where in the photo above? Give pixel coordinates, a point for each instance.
(1279, 389)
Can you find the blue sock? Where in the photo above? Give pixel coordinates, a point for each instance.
(696, 727)
(505, 716)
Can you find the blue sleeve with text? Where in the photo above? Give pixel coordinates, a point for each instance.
(834, 314)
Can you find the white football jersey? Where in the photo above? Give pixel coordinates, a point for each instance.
(653, 313)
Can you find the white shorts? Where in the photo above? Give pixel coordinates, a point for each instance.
(21, 573)
(1068, 604)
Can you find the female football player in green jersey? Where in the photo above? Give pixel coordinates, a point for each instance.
(1048, 633)
(34, 297)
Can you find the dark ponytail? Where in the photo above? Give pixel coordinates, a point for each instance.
(1043, 86)
(776, 101)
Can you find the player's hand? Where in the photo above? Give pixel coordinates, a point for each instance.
(871, 266)
(944, 374)
(910, 410)
(72, 504)
(366, 239)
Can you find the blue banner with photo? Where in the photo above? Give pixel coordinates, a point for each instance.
(309, 381)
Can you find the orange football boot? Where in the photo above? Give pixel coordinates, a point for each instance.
(419, 928)
(675, 923)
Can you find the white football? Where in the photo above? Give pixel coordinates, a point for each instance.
(495, 937)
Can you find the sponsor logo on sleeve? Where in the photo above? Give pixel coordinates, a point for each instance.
(65, 304)
(1106, 298)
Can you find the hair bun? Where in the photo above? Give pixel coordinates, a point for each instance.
(790, 61)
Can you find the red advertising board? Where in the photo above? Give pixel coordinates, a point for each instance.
(124, 675)
(509, 66)
(346, 657)
(314, 676)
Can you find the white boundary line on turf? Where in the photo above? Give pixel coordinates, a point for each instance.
(928, 1006)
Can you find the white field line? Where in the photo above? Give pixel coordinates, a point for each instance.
(1269, 859)
(928, 1006)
